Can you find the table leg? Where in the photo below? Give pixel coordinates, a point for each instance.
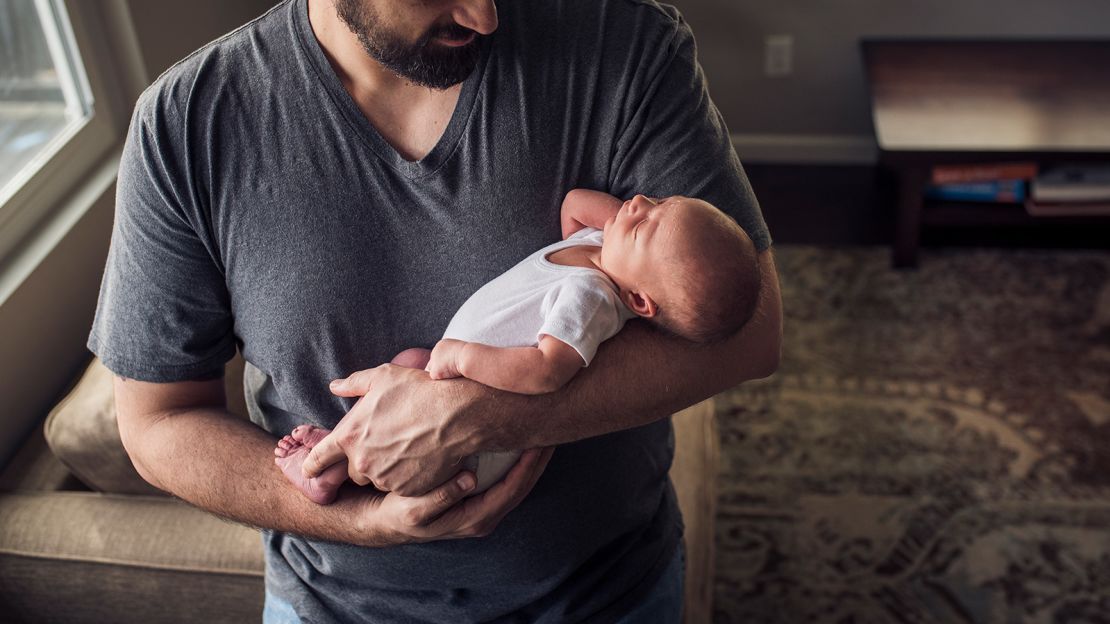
(907, 233)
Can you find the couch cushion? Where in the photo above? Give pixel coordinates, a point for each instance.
(82, 430)
(89, 557)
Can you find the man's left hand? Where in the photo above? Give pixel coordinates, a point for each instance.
(402, 436)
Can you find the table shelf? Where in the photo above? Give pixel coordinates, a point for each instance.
(972, 214)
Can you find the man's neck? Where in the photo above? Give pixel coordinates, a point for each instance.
(362, 76)
(409, 117)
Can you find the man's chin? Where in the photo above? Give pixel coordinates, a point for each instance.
(443, 79)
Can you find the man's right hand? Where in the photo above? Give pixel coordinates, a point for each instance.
(445, 512)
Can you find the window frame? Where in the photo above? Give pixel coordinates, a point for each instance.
(108, 50)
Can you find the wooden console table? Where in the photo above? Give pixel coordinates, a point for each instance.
(960, 101)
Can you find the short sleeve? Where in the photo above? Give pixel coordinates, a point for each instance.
(582, 311)
(163, 313)
(675, 141)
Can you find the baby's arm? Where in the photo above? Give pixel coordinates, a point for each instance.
(524, 370)
(586, 208)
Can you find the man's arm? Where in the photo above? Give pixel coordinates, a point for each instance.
(182, 439)
(525, 370)
(637, 377)
(586, 208)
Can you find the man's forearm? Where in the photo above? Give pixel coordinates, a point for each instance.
(225, 465)
(638, 377)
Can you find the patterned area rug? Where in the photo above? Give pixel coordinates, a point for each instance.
(934, 448)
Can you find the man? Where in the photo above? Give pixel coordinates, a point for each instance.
(323, 188)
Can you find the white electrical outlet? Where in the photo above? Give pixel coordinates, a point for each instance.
(778, 55)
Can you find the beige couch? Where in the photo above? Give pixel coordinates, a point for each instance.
(107, 547)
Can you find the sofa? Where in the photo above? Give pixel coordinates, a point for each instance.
(84, 539)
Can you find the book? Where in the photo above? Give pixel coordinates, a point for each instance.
(999, 191)
(1066, 209)
(1073, 183)
(983, 172)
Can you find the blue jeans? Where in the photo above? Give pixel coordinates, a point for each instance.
(662, 606)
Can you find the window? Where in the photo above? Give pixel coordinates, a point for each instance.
(43, 90)
(68, 71)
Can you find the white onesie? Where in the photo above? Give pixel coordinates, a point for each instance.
(577, 305)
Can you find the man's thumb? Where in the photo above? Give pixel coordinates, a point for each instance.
(323, 455)
(358, 384)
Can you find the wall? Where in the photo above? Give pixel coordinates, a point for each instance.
(168, 31)
(825, 100)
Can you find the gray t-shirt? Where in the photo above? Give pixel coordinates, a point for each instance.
(257, 207)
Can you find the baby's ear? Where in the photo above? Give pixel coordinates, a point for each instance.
(640, 303)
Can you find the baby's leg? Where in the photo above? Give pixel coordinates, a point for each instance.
(413, 358)
(292, 450)
(290, 454)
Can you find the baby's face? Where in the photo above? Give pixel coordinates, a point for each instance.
(637, 241)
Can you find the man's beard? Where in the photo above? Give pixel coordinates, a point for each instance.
(425, 63)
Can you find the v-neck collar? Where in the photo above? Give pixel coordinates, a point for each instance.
(447, 142)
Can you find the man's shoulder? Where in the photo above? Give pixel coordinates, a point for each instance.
(623, 34)
(225, 60)
(566, 18)
(602, 10)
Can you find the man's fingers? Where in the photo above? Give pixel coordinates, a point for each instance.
(439, 500)
(481, 514)
(324, 454)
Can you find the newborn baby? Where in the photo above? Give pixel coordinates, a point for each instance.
(679, 263)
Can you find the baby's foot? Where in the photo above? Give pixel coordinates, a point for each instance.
(291, 452)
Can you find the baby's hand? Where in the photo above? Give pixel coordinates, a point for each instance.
(444, 363)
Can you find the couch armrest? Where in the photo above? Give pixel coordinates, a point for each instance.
(694, 475)
(89, 557)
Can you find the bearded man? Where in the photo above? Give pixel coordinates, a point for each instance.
(323, 188)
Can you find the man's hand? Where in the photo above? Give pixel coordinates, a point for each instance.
(443, 513)
(402, 436)
(445, 362)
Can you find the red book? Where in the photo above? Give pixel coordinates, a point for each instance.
(983, 172)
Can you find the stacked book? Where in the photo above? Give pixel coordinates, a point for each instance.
(1071, 190)
(982, 182)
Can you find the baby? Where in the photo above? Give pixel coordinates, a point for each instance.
(680, 263)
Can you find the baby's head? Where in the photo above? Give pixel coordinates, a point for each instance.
(684, 265)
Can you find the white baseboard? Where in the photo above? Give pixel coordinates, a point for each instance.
(809, 149)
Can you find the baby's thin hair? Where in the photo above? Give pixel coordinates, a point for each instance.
(716, 292)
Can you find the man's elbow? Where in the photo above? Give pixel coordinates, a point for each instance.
(769, 363)
(768, 320)
(131, 430)
(764, 359)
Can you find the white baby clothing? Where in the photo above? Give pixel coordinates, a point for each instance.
(577, 305)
